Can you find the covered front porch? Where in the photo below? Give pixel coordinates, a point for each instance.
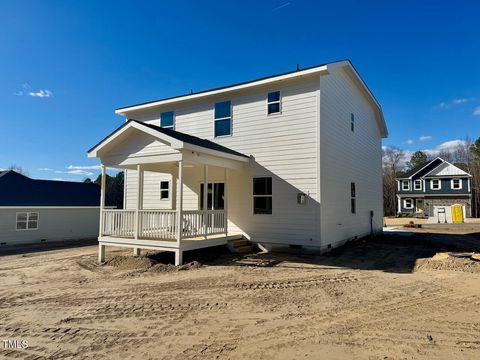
(186, 224)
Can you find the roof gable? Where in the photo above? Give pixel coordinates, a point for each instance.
(422, 169)
(447, 169)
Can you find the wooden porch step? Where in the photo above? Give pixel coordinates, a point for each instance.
(240, 246)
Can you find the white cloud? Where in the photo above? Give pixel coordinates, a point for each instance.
(454, 102)
(409, 141)
(425, 138)
(45, 169)
(281, 6)
(92, 167)
(476, 112)
(445, 146)
(42, 93)
(63, 179)
(79, 172)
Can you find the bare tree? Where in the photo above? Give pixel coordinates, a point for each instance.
(392, 158)
(18, 169)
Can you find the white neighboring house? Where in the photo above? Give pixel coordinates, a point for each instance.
(290, 160)
(33, 211)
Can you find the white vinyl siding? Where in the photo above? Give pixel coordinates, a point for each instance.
(344, 157)
(54, 224)
(284, 145)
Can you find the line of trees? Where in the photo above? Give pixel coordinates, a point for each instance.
(113, 189)
(465, 155)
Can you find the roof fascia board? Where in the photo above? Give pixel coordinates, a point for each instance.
(300, 73)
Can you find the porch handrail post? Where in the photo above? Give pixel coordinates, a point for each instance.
(102, 199)
(205, 200)
(139, 200)
(180, 203)
(225, 200)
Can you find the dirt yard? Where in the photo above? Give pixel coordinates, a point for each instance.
(388, 298)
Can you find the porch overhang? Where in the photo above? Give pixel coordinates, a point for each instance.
(125, 148)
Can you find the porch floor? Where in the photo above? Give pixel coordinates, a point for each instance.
(190, 243)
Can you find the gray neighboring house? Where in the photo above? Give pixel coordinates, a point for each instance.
(33, 211)
(435, 189)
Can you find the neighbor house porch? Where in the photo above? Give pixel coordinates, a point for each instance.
(141, 148)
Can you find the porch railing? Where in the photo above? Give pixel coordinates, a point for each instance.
(162, 224)
(118, 223)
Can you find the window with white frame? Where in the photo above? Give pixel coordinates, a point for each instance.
(435, 184)
(27, 221)
(353, 200)
(223, 118)
(408, 203)
(167, 120)
(456, 184)
(164, 190)
(405, 185)
(417, 185)
(273, 102)
(262, 195)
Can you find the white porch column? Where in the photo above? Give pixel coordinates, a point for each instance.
(102, 198)
(225, 200)
(205, 200)
(139, 200)
(101, 248)
(180, 206)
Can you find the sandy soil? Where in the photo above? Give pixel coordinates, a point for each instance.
(388, 298)
(400, 221)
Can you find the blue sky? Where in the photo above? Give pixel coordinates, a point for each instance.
(66, 65)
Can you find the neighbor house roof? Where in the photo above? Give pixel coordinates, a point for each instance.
(428, 167)
(177, 135)
(316, 69)
(19, 190)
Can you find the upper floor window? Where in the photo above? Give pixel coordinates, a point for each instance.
(27, 221)
(262, 195)
(164, 190)
(352, 122)
(456, 184)
(405, 185)
(223, 118)
(435, 184)
(273, 102)
(417, 185)
(167, 120)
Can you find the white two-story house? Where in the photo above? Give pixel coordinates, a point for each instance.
(288, 161)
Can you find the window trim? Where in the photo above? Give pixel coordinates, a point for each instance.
(279, 102)
(408, 185)
(257, 196)
(172, 127)
(415, 184)
(439, 184)
(26, 221)
(405, 203)
(224, 118)
(167, 190)
(353, 198)
(460, 183)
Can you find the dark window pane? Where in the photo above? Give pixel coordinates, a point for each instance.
(353, 205)
(209, 196)
(262, 186)
(33, 216)
(164, 185)
(22, 217)
(22, 225)
(166, 119)
(218, 196)
(274, 96)
(222, 127)
(352, 189)
(273, 108)
(262, 205)
(222, 109)
(352, 117)
(32, 224)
